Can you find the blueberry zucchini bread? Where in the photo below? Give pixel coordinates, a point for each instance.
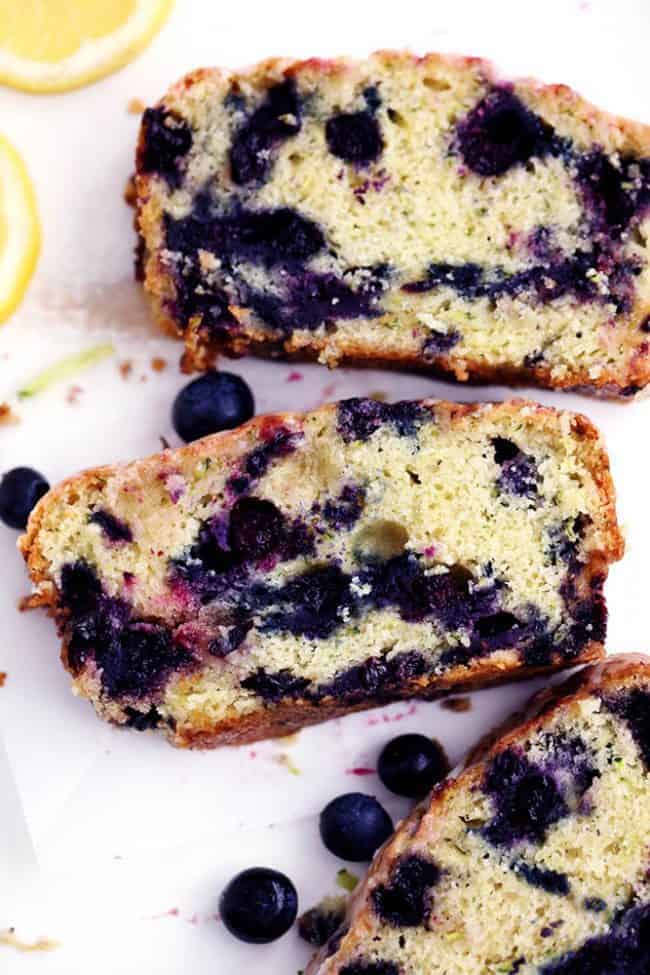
(532, 860)
(303, 566)
(410, 211)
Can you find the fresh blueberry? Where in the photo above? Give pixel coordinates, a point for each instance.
(353, 826)
(410, 765)
(215, 401)
(259, 905)
(20, 489)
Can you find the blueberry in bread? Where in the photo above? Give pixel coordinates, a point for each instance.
(401, 210)
(302, 566)
(533, 859)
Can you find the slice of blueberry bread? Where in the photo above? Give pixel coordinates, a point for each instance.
(534, 859)
(305, 565)
(403, 210)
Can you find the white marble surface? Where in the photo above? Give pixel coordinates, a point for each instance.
(113, 843)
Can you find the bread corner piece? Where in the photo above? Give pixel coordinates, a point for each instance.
(303, 566)
(533, 858)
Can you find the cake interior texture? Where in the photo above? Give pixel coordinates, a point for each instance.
(304, 565)
(417, 211)
(534, 861)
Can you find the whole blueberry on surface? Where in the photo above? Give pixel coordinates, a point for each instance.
(20, 489)
(410, 765)
(213, 402)
(354, 825)
(259, 905)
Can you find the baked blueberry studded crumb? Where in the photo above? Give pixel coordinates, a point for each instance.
(317, 925)
(407, 899)
(273, 122)
(235, 272)
(501, 132)
(167, 138)
(311, 532)
(355, 137)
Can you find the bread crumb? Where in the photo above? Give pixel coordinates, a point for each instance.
(126, 368)
(3, 677)
(456, 704)
(10, 938)
(7, 415)
(130, 192)
(158, 364)
(135, 106)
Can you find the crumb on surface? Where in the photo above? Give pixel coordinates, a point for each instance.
(130, 193)
(158, 364)
(284, 759)
(126, 368)
(10, 938)
(7, 415)
(456, 704)
(135, 106)
(294, 376)
(3, 677)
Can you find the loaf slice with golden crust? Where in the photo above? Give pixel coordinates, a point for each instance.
(533, 858)
(304, 566)
(410, 211)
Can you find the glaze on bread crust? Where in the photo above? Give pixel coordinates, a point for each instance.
(416, 212)
(533, 858)
(306, 565)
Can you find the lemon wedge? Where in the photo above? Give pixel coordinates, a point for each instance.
(56, 45)
(20, 235)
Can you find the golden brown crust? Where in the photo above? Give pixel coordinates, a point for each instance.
(202, 350)
(615, 672)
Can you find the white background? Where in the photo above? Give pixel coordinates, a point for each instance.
(111, 842)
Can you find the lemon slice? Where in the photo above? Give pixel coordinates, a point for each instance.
(55, 45)
(20, 235)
